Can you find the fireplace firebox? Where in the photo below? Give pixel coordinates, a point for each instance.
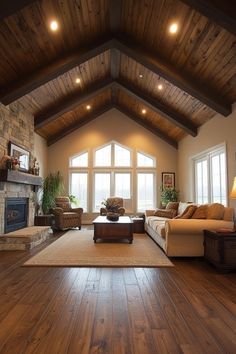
(16, 214)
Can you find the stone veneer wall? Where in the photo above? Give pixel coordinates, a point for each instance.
(16, 125)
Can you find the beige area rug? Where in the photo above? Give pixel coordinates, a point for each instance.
(76, 248)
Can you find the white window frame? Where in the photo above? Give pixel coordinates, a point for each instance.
(151, 171)
(207, 155)
(76, 155)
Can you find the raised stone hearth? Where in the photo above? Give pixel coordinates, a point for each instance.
(24, 239)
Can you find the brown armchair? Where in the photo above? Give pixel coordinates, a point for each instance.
(65, 216)
(114, 201)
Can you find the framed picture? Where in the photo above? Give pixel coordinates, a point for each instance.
(168, 179)
(21, 154)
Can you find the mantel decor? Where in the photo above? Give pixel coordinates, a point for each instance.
(20, 154)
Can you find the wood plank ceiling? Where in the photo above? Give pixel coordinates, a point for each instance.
(121, 51)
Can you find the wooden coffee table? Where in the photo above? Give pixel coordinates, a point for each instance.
(113, 230)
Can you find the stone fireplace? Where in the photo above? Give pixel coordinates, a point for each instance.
(17, 196)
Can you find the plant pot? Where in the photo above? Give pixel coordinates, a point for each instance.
(112, 216)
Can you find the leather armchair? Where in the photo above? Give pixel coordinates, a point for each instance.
(114, 201)
(65, 216)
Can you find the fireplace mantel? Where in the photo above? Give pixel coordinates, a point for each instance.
(19, 177)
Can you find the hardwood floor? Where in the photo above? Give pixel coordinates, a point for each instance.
(189, 308)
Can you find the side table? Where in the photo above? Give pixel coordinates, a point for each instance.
(138, 225)
(220, 249)
(44, 220)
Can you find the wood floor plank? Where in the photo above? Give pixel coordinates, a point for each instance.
(189, 308)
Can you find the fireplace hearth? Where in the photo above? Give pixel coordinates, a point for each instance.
(16, 214)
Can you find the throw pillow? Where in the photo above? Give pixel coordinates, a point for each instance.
(215, 211)
(170, 214)
(172, 205)
(200, 212)
(188, 212)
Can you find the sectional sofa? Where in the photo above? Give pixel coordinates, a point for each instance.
(183, 236)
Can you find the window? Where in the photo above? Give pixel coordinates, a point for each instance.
(210, 177)
(79, 188)
(79, 160)
(103, 156)
(102, 187)
(145, 191)
(123, 185)
(144, 160)
(112, 173)
(122, 156)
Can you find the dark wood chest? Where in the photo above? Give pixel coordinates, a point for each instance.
(220, 249)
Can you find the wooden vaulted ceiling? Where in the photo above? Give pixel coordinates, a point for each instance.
(121, 50)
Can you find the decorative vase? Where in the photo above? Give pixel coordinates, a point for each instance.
(112, 216)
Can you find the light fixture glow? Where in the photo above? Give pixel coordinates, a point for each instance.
(141, 76)
(144, 111)
(173, 28)
(88, 107)
(77, 81)
(160, 87)
(54, 25)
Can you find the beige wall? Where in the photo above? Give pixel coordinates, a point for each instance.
(41, 153)
(218, 130)
(112, 125)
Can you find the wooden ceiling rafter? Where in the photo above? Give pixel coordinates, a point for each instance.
(9, 7)
(220, 12)
(160, 67)
(157, 107)
(115, 15)
(146, 125)
(148, 60)
(22, 87)
(71, 102)
(87, 119)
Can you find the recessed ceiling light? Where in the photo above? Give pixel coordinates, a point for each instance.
(88, 107)
(54, 25)
(173, 28)
(144, 111)
(160, 87)
(141, 76)
(77, 80)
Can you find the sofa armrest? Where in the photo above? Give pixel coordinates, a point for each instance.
(150, 212)
(121, 211)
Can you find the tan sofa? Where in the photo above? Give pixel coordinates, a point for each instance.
(183, 237)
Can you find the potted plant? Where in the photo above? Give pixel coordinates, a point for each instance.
(74, 200)
(53, 186)
(168, 194)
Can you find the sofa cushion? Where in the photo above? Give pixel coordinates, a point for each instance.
(188, 212)
(182, 207)
(200, 212)
(215, 211)
(172, 205)
(171, 213)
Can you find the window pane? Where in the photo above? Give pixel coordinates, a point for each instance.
(218, 177)
(79, 188)
(201, 182)
(80, 160)
(122, 185)
(101, 189)
(103, 156)
(145, 197)
(122, 156)
(144, 161)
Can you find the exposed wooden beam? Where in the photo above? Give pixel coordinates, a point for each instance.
(218, 11)
(157, 107)
(115, 15)
(147, 126)
(157, 65)
(115, 63)
(9, 7)
(86, 119)
(20, 88)
(71, 102)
